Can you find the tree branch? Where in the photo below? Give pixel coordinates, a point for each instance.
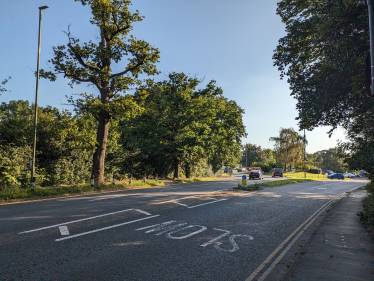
(79, 58)
(128, 70)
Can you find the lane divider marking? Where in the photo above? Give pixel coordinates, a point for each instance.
(65, 223)
(105, 228)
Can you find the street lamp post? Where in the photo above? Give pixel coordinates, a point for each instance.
(370, 4)
(36, 100)
(304, 156)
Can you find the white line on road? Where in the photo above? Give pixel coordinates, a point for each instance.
(64, 230)
(206, 203)
(110, 197)
(217, 238)
(143, 212)
(90, 218)
(193, 196)
(105, 228)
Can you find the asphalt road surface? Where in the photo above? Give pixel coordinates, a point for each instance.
(197, 231)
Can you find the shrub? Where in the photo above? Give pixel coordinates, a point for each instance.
(315, 171)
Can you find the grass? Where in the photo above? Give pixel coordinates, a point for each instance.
(18, 194)
(367, 215)
(194, 180)
(284, 182)
(23, 194)
(251, 187)
(301, 175)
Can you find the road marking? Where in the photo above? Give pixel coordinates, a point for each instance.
(180, 204)
(235, 245)
(202, 228)
(312, 218)
(206, 203)
(105, 228)
(90, 218)
(64, 230)
(217, 238)
(110, 197)
(187, 197)
(143, 212)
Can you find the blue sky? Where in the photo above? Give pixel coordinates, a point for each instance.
(231, 42)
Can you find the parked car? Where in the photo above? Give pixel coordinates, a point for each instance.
(277, 172)
(256, 174)
(330, 172)
(338, 176)
(241, 169)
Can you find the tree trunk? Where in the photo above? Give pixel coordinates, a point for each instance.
(176, 169)
(188, 171)
(99, 155)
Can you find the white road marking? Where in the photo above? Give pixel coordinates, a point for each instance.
(235, 246)
(164, 227)
(202, 228)
(143, 212)
(306, 223)
(193, 196)
(105, 228)
(217, 238)
(90, 218)
(206, 203)
(180, 204)
(110, 197)
(64, 230)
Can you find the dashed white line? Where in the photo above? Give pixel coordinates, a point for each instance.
(143, 212)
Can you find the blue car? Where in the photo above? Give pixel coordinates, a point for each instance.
(338, 176)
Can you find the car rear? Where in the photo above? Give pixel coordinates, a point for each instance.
(277, 172)
(255, 174)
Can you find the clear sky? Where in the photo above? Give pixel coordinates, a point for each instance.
(231, 42)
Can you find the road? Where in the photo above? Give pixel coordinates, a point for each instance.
(197, 231)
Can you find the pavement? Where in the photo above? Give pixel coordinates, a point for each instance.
(339, 249)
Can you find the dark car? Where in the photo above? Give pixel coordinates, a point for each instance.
(338, 176)
(277, 172)
(256, 174)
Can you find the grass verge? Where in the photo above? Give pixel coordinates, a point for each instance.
(301, 175)
(251, 187)
(367, 215)
(18, 194)
(198, 179)
(284, 182)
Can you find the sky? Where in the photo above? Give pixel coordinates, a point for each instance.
(231, 42)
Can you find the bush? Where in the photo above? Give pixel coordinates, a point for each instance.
(315, 171)
(367, 215)
(264, 167)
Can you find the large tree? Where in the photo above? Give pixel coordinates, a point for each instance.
(289, 146)
(93, 63)
(325, 55)
(184, 126)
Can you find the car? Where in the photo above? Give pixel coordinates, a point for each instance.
(330, 172)
(241, 169)
(277, 172)
(338, 176)
(256, 174)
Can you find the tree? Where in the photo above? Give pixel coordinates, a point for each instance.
(92, 63)
(289, 146)
(325, 56)
(185, 127)
(2, 89)
(252, 153)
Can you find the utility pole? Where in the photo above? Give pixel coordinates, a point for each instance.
(246, 164)
(304, 156)
(370, 4)
(36, 100)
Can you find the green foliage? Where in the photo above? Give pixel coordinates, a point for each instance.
(367, 215)
(182, 127)
(265, 167)
(2, 89)
(325, 55)
(315, 171)
(289, 147)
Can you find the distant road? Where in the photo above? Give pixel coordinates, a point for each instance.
(197, 231)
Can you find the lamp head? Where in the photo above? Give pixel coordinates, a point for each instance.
(43, 7)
